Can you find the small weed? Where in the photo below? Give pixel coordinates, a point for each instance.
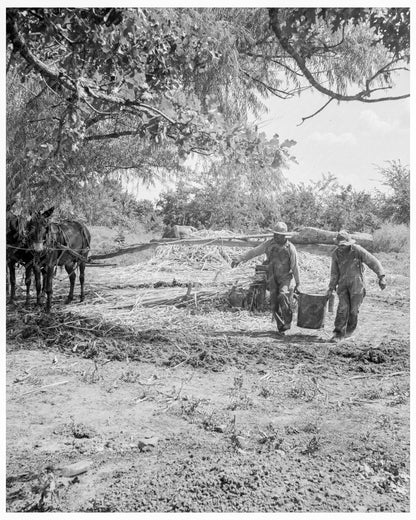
(216, 422)
(309, 427)
(366, 436)
(130, 376)
(238, 382)
(271, 437)
(301, 390)
(242, 402)
(313, 446)
(94, 375)
(239, 397)
(291, 430)
(189, 406)
(238, 441)
(397, 389)
(400, 399)
(80, 430)
(385, 421)
(266, 392)
(371, 394)
(401, 394)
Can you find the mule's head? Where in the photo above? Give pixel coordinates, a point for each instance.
(37, 228)
(12, 227)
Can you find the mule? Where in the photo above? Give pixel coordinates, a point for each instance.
(19, 253)
(66, 243)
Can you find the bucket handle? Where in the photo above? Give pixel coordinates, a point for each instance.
(296, 296)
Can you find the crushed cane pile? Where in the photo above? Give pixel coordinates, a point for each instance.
(141, 311)
(187, 276)
(184, 275)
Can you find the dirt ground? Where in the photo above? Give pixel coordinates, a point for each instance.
(115, 406)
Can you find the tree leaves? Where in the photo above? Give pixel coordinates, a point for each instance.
(183, 80)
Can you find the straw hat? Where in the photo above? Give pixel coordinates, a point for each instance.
(280, 228)
(343, 238)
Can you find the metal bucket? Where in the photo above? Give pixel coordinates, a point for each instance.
(311, 310)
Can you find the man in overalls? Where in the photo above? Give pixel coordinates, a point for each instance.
(347, 272)
(281, 257)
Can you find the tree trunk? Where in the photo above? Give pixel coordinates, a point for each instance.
(311, 235)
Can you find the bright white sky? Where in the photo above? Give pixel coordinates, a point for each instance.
(348, 139)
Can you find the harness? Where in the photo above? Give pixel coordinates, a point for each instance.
(57, 240)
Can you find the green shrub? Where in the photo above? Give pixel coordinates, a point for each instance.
(392, 238)
(395, 205)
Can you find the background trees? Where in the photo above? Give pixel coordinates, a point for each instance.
(93, 91)
(396, 203)
(325, 203)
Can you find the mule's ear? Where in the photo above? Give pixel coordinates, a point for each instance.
(48, 212)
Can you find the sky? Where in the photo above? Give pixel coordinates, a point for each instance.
(348, 140)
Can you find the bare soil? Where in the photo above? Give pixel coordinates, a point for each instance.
(202, 407)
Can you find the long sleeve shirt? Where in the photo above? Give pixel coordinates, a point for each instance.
(347, 268)
(265, 248)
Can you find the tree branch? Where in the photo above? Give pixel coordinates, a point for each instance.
(363, 95)
(82, 88)
(275, 91)
(111, 135)
(20, 45)
(315, 113)
(9, 63)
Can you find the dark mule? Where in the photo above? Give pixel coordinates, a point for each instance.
(19, 253)
(66, 243)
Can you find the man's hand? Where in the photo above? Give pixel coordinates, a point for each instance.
(234, 263)
(329, 292)
(382, 282)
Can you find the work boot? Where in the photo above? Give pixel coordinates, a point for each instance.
(336, 338)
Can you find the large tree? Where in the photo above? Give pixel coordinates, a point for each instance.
(93, 89)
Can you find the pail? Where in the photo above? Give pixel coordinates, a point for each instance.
(311, 310)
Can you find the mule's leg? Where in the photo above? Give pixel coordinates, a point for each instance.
(28, 281)
(40, 288)
(7, 280)
(12, 275)
(70, 269)
(43, 273)
(49, 286)
(81, 279)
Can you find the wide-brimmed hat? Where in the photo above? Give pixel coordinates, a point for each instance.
(344, 238)
(280, 228)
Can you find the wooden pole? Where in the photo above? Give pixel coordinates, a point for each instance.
(307, 236)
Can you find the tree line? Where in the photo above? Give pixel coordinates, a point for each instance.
(226, 204)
